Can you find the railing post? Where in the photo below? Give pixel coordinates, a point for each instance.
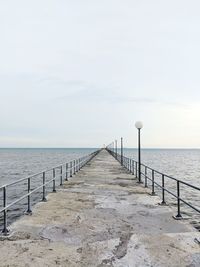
(116, 149)
(74, 167)
(133, 166)
(61, 175)
(54, 182)
(153, 189)
(77, 165)
(122, 151)
(136, 170)
(178, 216)
(163, 190)
(66, 174)
(5, 230)
(43, 188)
(29, 197)
(146, 185)
(70, 168)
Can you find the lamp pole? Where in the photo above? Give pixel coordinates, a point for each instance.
(116, 147)
(122, 151)
(139, 126)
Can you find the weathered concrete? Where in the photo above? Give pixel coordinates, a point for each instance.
(100, 218)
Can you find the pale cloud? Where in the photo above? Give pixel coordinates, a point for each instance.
(93, 92)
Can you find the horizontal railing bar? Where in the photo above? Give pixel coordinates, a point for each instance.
(26, 178)
(28, 194)
(190, 185)
(161, 186)
(173, 194)
(170, 177)
(126, 163)
(39, 173)
(158, 172)
(83, 160)
(188, 204)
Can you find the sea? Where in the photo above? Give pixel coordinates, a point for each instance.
(17, 163)
(182, 164)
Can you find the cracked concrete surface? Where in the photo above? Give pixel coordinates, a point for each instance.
(100, 218)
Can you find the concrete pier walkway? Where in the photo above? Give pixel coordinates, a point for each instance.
(101, 217)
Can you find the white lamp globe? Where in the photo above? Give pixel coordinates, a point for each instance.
(138, 125)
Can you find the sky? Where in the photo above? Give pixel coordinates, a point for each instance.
(81, 73)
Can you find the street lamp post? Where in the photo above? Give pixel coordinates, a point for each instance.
(139, 126)
(116, 148)
(122, 151)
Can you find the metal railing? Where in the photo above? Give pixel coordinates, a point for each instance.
(63, 172)
(149, 173)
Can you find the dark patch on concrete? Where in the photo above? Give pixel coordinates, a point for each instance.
(121, 250)
(124, 179)
(107, 263)
(143, 213)
(137, 246)
(72, 184)
(150, 206)
(122, 184)
(121, 198)
(137, 192)
(79, 250)
(17, 236)
(196, 225)
(83, 200)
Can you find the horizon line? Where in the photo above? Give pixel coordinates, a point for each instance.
(189, 148)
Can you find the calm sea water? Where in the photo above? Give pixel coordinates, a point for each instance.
(20, 163)
(183, 164)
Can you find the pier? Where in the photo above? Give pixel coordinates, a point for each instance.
(99, 217)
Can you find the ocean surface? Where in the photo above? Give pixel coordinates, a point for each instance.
(182, 164)
(15, 164)
(21, 163)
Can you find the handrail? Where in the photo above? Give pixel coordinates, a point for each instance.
(31, 176)
(170, 177)
(71, 168)
(24, 196)
(133, 167)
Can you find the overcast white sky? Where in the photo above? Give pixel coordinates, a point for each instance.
(80, 73)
